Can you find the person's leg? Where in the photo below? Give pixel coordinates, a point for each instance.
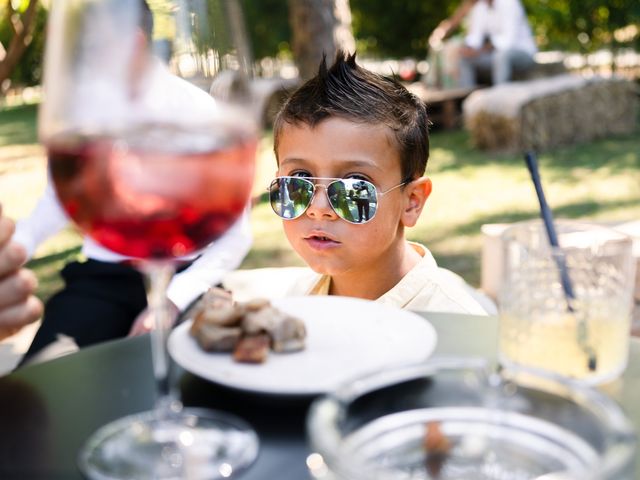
(505, 62)
(466, 72)
(470, 68)
(360, 205)
(99, 302)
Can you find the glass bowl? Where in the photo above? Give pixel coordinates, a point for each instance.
(460, 419)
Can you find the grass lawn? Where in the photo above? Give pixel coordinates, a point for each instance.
(596, 181)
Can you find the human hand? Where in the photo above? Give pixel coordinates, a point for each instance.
(438, 35)
(144, 322)
(18, 305)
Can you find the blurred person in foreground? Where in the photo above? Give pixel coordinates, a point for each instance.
(18, 305)
(498, 43)
(104, 295)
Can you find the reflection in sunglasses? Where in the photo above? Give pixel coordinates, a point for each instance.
(353, 200)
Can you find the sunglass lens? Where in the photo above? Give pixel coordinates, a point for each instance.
(354, 200)
(290, 197)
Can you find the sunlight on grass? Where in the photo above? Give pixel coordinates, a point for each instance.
(22, 178)
(18, 125)
(265, 165)
(596, 181)
(270, 245)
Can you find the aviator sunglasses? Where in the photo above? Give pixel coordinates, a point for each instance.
(354, 200)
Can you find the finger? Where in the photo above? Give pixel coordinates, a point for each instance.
(12, 257)
(142, 325)
(16, 288)
(7, 227)
(138, 330)
(17, 316)
(134, 331)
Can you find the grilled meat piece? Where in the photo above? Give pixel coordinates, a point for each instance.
(212, 338)
(287, 333)
(252, 348)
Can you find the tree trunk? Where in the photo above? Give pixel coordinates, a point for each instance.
(319, 27)
(22, 28)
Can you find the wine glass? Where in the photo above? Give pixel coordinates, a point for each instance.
(150, 165)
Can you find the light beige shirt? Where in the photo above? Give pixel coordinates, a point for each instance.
(426, 287)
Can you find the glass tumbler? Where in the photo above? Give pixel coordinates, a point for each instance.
(567, 310)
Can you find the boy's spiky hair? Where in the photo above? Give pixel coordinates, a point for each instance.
(348, 91)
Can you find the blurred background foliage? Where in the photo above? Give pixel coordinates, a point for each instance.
(268, 25)
(385, 29)
(584, 25)
(400, 29)
(29, 70)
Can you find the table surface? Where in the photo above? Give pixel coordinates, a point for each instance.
(48, 410)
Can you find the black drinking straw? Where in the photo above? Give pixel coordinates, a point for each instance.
(558, 256)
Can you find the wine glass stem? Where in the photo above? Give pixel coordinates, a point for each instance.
(160, 274)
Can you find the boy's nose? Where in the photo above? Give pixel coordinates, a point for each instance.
(320, 206)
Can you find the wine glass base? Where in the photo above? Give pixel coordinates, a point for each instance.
(192, 443)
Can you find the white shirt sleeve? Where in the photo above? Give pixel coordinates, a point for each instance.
(47, 218)
(216, 260)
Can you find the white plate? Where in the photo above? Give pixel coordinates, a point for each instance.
(346, 338)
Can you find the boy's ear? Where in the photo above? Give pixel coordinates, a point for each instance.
(416, 194)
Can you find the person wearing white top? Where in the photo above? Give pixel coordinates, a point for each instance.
(499, 42)
(104, 296)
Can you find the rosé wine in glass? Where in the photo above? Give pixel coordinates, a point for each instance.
(154, 194)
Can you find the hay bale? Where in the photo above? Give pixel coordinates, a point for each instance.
(545, 113)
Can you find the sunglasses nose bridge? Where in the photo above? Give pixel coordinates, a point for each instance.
(325, 206)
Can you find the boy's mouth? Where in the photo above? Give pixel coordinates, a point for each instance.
(320, 240)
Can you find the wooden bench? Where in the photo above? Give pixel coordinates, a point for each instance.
(443, 105)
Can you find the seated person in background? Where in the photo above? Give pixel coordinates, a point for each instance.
(444, 48)
(498, 42)
(104, 297)
(18, 305)
(349, 127)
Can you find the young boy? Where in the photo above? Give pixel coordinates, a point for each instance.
(352, 148)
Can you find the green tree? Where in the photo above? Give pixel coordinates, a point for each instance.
(268, 26)
(401, 29)
(397, 29)
(319, 27)
(22, 27)
(582, 25)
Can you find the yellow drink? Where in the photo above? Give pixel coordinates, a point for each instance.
(567, 309)
(549, 341)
